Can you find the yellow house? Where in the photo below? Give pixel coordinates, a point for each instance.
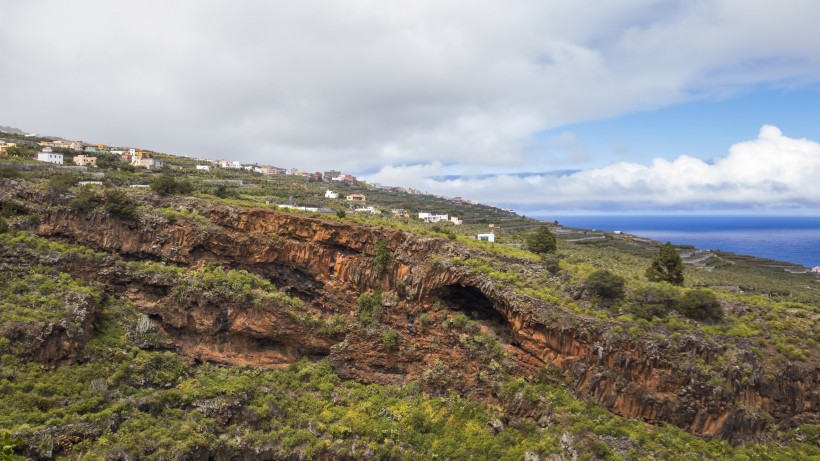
(5, 145)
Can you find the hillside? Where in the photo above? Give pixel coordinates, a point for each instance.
(204, 322)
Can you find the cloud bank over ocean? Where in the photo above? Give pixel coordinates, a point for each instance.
(770, 173)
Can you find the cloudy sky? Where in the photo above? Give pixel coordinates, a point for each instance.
(543, 106)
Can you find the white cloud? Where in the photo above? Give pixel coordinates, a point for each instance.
(772, 171)
(357, 84)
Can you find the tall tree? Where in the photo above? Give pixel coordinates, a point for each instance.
(666, 266)
(542, 241)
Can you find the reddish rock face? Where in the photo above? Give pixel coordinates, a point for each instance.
(328, 263)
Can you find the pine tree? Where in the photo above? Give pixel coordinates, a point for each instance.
(666, 266)
(542, 241)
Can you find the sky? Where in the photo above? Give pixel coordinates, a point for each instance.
(544, 107)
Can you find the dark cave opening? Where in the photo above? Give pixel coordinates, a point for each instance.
(472, 302)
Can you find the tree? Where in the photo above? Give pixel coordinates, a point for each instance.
(666, 266)
(542, 241)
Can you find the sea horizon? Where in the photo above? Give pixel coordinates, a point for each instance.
(793, 239)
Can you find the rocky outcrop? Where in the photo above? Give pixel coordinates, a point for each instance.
(328, 263)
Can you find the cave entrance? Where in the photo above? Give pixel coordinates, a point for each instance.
(472, 302)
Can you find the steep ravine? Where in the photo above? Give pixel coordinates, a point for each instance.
(328, 263)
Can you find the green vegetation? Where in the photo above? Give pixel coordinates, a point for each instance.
(131, 397)
(543, 240)
(168, 185)
(606, 284)
(381, 257)
(666, 266)
(370, 308)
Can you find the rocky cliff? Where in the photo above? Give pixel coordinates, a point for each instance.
(328, 264)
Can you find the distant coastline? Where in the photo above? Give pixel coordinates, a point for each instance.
(791, 239)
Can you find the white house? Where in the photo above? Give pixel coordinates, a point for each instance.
(149, 163)
(486, 237)
(434, 218)
(456, 221)
(816, 269)
(90, 183)
(330, 194)
(50, 157)
(203, 167)
(367, 209)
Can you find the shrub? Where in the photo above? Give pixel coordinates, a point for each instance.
(653, 301)
(85, 201)
(341, 214)
(370, 308)
(390, 340)
(550, 263)
(168, 185)
(118, 203)
(4, 226)
(606, 284)
(701, 305)
(381, 257)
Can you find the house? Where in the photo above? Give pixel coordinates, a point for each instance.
(330, 175)
(203, 167)
(4, 146)
(456, 221)
(330, 194)
(486, 237)
(355, 198)
(815, 269)
(292, 172)
(400, 213)
(85, 160)
(89, 183)
(50, 157)
(367, 209)
(433, 218)
(148, 162)
(268, 170)
(90, 149)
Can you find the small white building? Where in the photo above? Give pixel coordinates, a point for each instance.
(90, 183)
(330, 194)
(456, 221)
(50, 157)
(367, 209)
(203, 167)
(486, 237)
(816, 269)
(433, 218)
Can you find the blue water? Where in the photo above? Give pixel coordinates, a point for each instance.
(792, 239)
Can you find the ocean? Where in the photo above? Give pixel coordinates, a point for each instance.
(791, 239)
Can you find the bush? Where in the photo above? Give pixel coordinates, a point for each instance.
(85, 201)
(390, 340)
(606, 285)
(701, 305)
(118, 203)
(168, 185)
(370, 308)
(4, 226)
(381, 257)
(551, 263)
(653, 301)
